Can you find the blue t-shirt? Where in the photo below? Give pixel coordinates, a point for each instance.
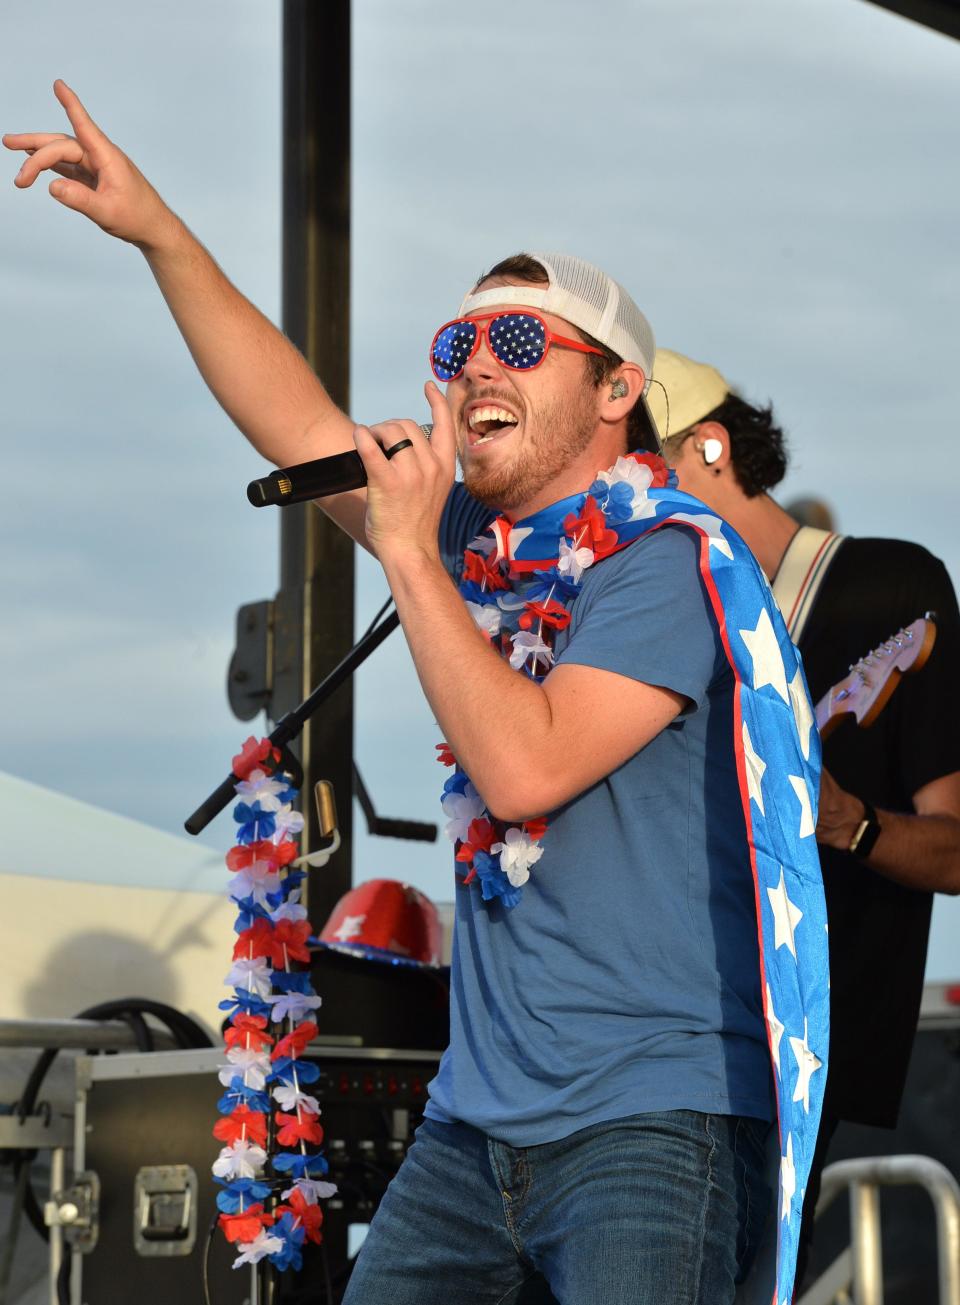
(627, 978)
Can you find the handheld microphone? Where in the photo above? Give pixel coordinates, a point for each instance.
(309, 480)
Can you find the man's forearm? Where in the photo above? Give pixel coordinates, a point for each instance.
(259, 378)
(494, 719)
(918, 851)
(529, 747)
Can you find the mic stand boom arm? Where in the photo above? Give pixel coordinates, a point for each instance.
(289, 726)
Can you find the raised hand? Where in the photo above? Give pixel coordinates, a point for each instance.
(95, 177)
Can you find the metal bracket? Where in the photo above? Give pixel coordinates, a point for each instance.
(165, 1210)
(42, 1131)
(250, 677)
(76, 1210)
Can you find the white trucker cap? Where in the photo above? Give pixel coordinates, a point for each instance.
(583, 295)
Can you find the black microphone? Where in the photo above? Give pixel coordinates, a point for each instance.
(309, 480)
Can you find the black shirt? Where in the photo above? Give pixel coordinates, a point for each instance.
(878, 928)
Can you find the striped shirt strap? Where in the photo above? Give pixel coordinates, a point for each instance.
(801, 573)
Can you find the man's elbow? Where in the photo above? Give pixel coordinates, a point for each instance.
(514, 799)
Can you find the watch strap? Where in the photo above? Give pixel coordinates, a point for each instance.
(866, 833)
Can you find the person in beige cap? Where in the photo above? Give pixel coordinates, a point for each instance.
(889, 822)
(597, 1130)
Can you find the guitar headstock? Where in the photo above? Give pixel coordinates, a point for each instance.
(865, 691)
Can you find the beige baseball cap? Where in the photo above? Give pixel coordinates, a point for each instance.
(687, 391)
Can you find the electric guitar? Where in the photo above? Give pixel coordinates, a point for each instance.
(869, 686)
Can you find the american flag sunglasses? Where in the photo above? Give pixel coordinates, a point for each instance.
(517, 340)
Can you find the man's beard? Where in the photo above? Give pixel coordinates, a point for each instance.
(554, 435)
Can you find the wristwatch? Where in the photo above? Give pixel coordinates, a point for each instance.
(866, 833)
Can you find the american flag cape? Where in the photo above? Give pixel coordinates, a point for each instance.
(777, 750)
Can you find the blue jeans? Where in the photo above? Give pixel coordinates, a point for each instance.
(654, 1209)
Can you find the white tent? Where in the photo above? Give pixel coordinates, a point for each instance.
(97, 907)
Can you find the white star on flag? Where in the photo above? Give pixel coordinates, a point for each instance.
(711, 526)
(516, 537)
(776, 1030)
(788, 1179)
(786, 917)
(799, 786)
(765, 654)
(801, 711)
(351, 926)
(807, 1066)
(755, 768)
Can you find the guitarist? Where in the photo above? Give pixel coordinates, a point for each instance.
(889, 821)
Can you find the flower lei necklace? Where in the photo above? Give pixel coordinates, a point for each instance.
(273, 930)
(518, 582)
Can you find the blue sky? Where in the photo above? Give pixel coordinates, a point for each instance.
(773, 181)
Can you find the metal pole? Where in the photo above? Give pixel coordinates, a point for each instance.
(314, 609)
(943, 1193)
(58, 1174)
(78, 1035)
(896, 1171)
(865, 1240)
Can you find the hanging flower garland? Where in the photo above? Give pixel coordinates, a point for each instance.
(519, 605)
(271, 1024)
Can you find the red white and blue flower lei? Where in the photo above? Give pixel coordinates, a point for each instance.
(271, 1023)
(518, 582)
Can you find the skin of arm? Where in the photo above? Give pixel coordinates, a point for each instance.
(261, 380)
(919, 851)
(527, 747)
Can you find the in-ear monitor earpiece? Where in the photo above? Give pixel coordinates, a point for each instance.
(710, 448)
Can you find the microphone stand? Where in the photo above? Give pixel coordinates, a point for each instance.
(289, 726)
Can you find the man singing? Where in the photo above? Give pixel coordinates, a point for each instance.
(622, 712)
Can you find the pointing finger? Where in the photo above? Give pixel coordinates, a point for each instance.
(87, 132)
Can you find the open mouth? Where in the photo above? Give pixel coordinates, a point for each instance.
(488, 422)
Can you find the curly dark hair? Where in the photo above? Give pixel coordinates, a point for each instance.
(641, 432)
(758, 446)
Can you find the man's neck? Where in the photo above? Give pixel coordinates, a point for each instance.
(576, 478)
(765, 527)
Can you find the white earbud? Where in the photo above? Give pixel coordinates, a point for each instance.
(710, 448)
(618, 389)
